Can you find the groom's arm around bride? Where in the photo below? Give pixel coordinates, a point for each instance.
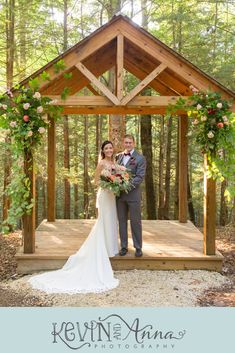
(131, 201)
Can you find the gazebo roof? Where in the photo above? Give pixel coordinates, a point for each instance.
(139, 52)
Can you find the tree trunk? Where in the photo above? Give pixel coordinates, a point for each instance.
(75, 186)
(176, 193)
(10, 40)
(85, 175)
(146, 144)
(223, 207)
(66, 166)
(160, 182)
(190, 202)
(168, 169)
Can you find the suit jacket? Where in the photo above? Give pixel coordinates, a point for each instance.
(137, 166)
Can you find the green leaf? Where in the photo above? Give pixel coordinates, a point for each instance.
(34, 84)
(65, 93)
(45, 76)
(59, 66)
(68, 75)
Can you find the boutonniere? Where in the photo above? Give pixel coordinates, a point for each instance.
(132, 161)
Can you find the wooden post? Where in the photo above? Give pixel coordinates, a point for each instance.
(29, 220)
(183, 168)
(209, 212)
(117, 123)
(51, 171)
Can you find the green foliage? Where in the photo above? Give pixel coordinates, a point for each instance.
(45, 76)
(213, 127)
(68, 75)
(59, 66)
(23, 120)
(65, 93)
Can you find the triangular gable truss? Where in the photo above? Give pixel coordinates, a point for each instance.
(124, 45)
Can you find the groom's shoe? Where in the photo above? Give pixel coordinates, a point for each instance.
(123, 251)
(138, 252)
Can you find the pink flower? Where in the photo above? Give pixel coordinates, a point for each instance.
(26, 118)
(37, 95)
(193, 89)
(30, 133)
(41, 130)
(224, 118)
(220, 125)
(26, 106)
(39, 109)
(13, 123)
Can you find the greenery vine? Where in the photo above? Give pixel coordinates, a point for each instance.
(23, 122)
(212, 124)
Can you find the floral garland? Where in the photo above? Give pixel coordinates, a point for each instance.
(213, 126)
(23, 122)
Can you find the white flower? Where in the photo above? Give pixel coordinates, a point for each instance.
(4, 106)
(30, 133)
(224, 118)
(199, 106)
(41, 130)
(44, 117)
(7, 131)
(13, 123)
(26, 106)
(37, 95)
(204, 118)
(210, 134)
(39, 109)
(219, 105)
(54, 101)
(189, 133)
(226, 123)
(195, 122)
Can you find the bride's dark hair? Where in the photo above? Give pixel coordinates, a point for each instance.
(106, 142)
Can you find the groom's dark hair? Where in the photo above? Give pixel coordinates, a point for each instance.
(129, 136)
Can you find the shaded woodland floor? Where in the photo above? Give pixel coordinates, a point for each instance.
(221, 296)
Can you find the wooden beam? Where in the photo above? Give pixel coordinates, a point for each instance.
(141, 74)
(117, 110)
(209, 212)
(97, 83)
(51, 190)
(183, 168)
(140, 101)
(143, 84)
(78, 80)
(29, 220)
(92, 90)
(119, 65)
(150, 46)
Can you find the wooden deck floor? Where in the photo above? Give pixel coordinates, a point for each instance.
(168, 245)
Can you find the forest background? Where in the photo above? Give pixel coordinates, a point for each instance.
(32, 33)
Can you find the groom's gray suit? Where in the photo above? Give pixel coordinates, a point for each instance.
(131, 201)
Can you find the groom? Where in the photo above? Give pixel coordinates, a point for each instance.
(131, 202)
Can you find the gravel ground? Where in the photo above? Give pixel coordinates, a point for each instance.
(137, 288)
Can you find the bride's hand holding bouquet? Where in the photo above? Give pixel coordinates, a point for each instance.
(116, 179)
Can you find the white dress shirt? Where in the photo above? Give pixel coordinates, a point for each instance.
(126, 158)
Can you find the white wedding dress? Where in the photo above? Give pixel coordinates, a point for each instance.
(89, 269)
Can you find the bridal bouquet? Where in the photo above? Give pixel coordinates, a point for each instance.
(116, 180)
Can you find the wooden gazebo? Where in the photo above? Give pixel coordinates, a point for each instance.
(120, 44)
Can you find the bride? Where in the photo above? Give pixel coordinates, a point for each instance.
(89, 269)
